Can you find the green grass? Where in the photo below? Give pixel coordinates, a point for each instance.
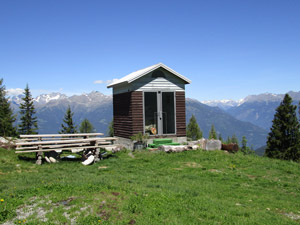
(194, 187)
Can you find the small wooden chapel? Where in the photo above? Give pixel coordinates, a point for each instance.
(150, 100)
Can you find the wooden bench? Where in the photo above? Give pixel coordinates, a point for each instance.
(76, 143)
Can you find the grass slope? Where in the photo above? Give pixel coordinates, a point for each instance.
(195, 187)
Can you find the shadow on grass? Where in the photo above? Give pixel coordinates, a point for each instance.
(26, 158)
(109, 156)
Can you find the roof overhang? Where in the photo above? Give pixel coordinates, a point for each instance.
(140, 73)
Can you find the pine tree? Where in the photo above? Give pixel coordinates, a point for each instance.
(245, 149)
(234, 139)
(193, 129)
(6, 115)
(228, 141)
(86, 127)
(212, 133)
(284, 138)
(28, 120)
(111, 128)
(69, 128)
(244, 144)
(220, 137)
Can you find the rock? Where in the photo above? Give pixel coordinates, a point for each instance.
(213, 145)
(7, 143)
(3, 140)
(193, 147)
(114, 148)
(172, 148)
(202, 143)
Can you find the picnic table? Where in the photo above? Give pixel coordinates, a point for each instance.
(42, 144)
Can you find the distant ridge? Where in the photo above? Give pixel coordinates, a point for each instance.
(256, 109)
(97, 108)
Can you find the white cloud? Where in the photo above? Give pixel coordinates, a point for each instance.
(111, 81)
(105, 82)
(14, 91)
(98, 82)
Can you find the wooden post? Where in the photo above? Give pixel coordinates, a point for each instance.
(39, 156)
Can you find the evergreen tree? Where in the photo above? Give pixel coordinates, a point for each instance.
(69, 128)
(284, 138)
(193, 130)
(234, 139)
(220, 138)
(86, 127)
(28, 120)
(6, 115)
(244, 143)
(111, 128)
(245, 149)
(228, 141)
(212, 133)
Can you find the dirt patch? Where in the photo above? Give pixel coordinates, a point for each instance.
(292, 216)
(33, 210)
(251, 176)
(104, 214)
(102, 167)
(192, 165)
(132, 222)
(131, 155)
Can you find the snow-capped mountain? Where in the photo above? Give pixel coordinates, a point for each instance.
(265, 97)
(45, 98)
(98, 109)
(223, 104)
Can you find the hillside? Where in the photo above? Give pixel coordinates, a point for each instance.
(224, 123)
(195, 187)
(256, 109)
(97, 108)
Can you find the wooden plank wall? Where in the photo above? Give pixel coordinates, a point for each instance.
(128, 114)
(137, 112)
(180, 114)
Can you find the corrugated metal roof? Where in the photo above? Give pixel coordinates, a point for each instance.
(138, 74)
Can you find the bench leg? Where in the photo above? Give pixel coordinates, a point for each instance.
(39, 158)
(97, 155)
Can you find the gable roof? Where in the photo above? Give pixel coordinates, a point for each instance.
(140, 73)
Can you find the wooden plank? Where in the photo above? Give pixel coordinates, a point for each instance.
(58, 149)
(60, 135)
(66, 141)
(32, 147)
(55, 146)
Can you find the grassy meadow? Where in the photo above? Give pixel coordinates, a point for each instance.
(193, 187)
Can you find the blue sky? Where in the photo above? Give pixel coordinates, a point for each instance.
(229, 49)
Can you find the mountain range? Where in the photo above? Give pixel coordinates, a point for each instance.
(250, 117)
(256, 109)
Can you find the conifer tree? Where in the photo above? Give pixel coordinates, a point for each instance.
(212, 133)
(228, 141)
(244, 144)
(69, 127)
(220, 137)
(284, 138)
(111, 128)
(245, 149)
(7, 118)
(193, 130)
(28, 120)
(234, 139)
(86, 127)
